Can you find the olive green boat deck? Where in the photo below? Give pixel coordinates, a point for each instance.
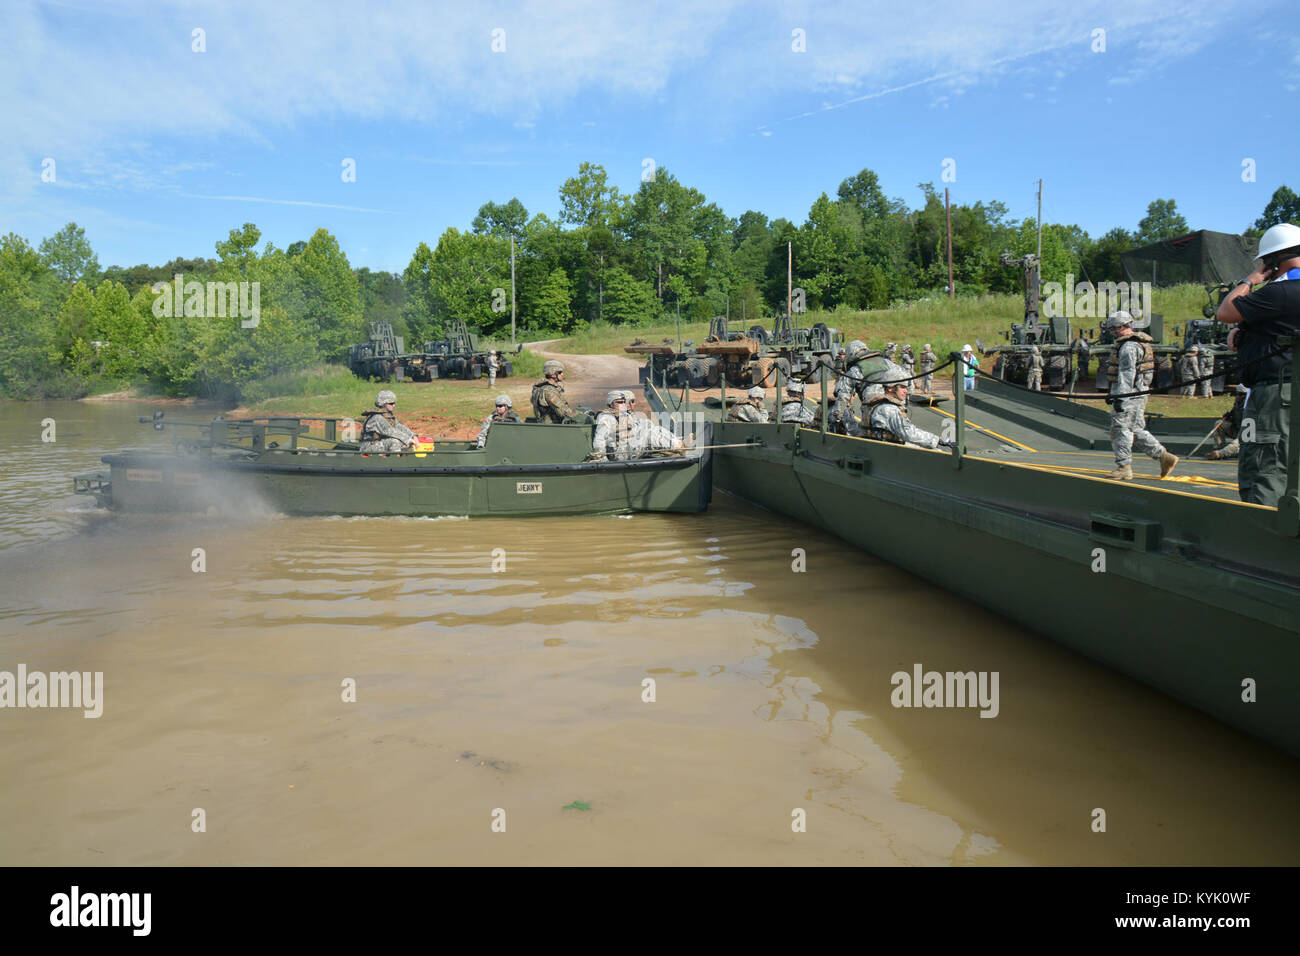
(990, 436)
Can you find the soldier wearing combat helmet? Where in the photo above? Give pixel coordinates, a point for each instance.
(549, 404)
(616, 431)
(846, 386)
(885, 415)
(928, 362)
(504, 412)
(1132, 369)
(751, 409)
(381, 432)
(794, 408)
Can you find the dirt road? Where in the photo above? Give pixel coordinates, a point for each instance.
(588, 377)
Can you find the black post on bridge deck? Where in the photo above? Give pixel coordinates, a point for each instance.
(959, 406)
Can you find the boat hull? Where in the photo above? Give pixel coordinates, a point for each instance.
(1196, 597)
(524, 470)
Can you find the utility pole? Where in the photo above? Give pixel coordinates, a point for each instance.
(512, 289)
(947, 209)
(789, 283)
(1040, 220)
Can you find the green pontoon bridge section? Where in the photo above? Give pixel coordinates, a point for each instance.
(1194, 596)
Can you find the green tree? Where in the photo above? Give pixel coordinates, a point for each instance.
(628, 301)
(553, 303)
(502, 221)
(863, 190)
(68, 254)
(1284, 206)
(1101, 262)
(1162, 221)
(330, 293)
(29, 292)
(588, 200)
(458, 279)
(1057, 259)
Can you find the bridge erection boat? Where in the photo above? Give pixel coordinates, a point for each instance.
(279, 464)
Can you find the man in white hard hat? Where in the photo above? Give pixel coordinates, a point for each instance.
(969, 364)
(1132, 369)
(1261, 316)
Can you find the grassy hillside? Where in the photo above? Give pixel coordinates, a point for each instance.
(447, 407)
(946, 324)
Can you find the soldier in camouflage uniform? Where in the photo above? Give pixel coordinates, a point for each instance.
(890, 349)
(846, 386)
(650, 436)
(1132, 367)
(1205, 389)
(795, 408)
(908, 361)
(869, 388)
(492, 365)
(751, 409)
(381, 432)
(1035, 369)
(504, 412)
(549, 404)
(1082, 353)
(1188, 367)
(1227, 433)
(616, 430)
(885, 415)
(928, 361)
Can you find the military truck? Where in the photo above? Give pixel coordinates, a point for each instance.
(462, 354)
(756, 356)
(383, 357)
(1011, 361)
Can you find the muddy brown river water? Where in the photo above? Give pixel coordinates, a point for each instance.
(516, 695)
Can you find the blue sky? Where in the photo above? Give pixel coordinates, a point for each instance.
(160, 150)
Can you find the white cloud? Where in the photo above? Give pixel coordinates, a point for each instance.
(84, 83)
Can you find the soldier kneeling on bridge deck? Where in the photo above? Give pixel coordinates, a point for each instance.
(794, 408)
(751, 409)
